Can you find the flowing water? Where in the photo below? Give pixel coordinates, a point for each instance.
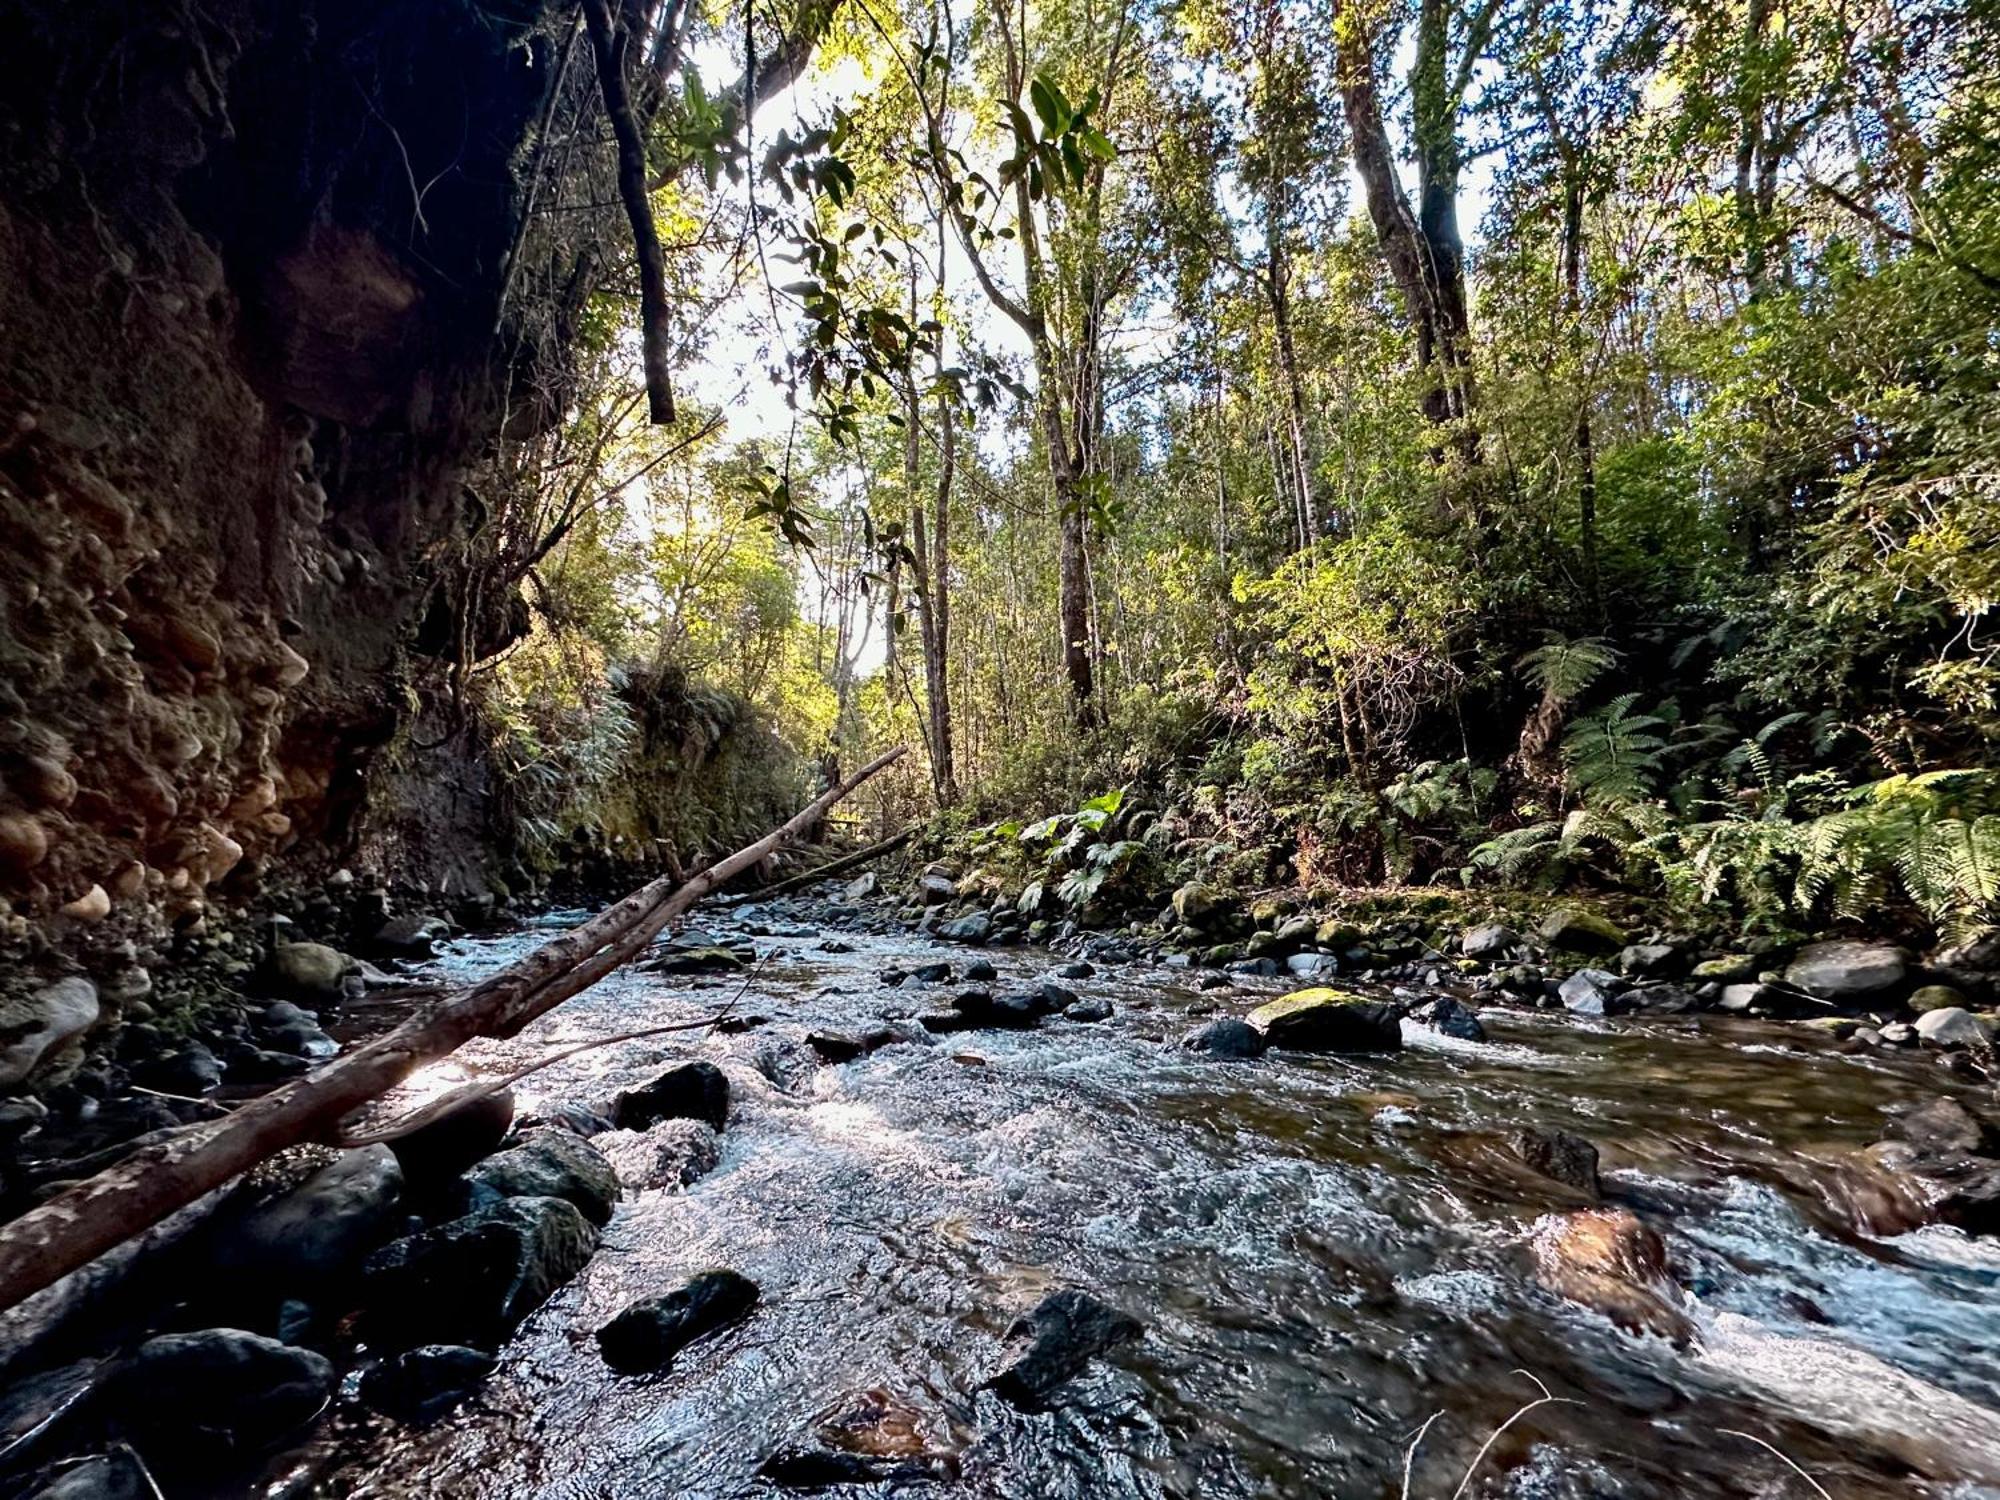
(1325, 1253)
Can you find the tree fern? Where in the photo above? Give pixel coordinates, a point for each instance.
(1615, 755)
(1564, 669)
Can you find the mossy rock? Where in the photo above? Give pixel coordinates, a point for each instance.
(1328, 1020)
(1581, 931)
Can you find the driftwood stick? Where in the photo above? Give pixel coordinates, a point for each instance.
(75, 1227)
(826, 871)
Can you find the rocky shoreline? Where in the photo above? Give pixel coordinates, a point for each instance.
(386, 1278)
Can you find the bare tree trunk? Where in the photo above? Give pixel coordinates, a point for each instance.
(73, 1228)
(609, 40)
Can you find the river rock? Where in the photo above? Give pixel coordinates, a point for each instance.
(1953, 1027)
(647, 1335)
(1648, 960)
(1225, 1037)
(1846, 971)
(1608, 1260)
(547, 1164)
(972, 930)
(309, 973)
(39, 1025)
(1094, 1008)
(981, 971)
(412, 937)
(931, 973)
(420, 1385)
(1020, 1010)
(1488, 940)
(1580, 931)
(1943, 1127)
(1658, 1000)
(1932, 997)
(670, 1154)
(1449, 1017)
(441, 1150)
(190, 1069)
(692, 1091)
(1730, 968)
(303, 1239)
(1197, 904)
(861, 887)
(935, 888)
(835, 1047)
(186, 1394)
(1078, 970)
(1559, 1156)
(1062, 1334)
(1328, 1020)
(1311, 965)
(1591, 992)
(702, 959)
(472, 1280)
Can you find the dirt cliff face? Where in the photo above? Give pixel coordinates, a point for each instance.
(253, 334)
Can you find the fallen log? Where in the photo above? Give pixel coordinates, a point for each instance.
(826, 871)
(73, 1228)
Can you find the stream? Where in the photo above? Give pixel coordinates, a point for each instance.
(1326, 1253)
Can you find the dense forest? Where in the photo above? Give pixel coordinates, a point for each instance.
(1515, 443)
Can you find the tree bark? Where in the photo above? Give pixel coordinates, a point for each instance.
(70, 1230)
(610, 42)
(1425, 254)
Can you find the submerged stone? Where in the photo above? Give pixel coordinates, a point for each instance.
(647, 1335)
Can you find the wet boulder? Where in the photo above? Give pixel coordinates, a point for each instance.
(189, 1069)
(1081, 969)
(311, 974)
(1225, 1037)
(440, 1150)
(472, 1280)
(670, 1154)
(1932, 997)
(1489, 940)
(421, 1385)
(547, 1164)
(981, 971)
(1847, 971)
(945, 1022)
(692, 1091)
(1591, 992)
(304, 1237)
(1053, 997)
(973, 930)
(1580, 931)
(1730, 968)
(836, 1047)
(183, 1396)
(1328, 1020)
(1198, 905)
(1451, 1018)
(710, 958)
(414, 937)
(647, 1335)
(1559, 1156)
(1658, 1000)
(1943, 1127)
(1020, 1010)
(38, 1026)
(1311, 965)
(1953, 1026)
(1611, 1262)
(1649, 960)
(1093, 1008)
(1062, 1334)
